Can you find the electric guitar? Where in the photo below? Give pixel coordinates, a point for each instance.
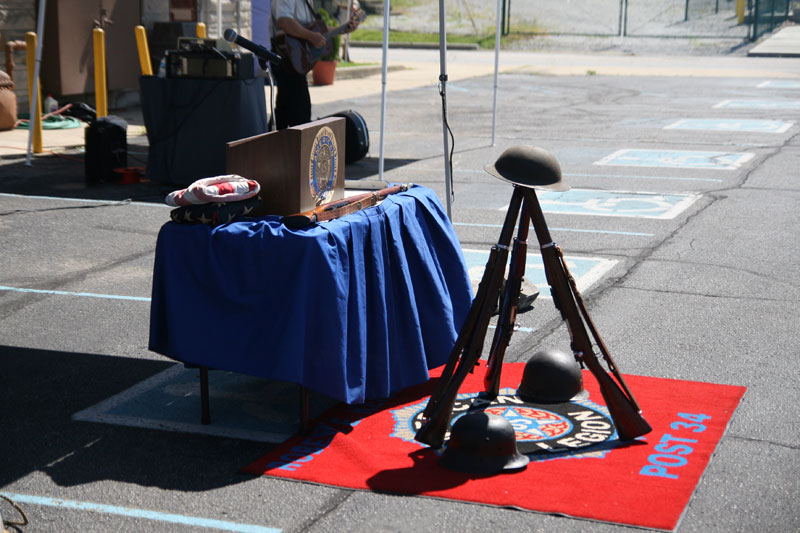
(301, 55)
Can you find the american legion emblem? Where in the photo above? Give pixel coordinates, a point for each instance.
(544, 431)
(323, 166)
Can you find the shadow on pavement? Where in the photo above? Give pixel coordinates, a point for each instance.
(41, 391)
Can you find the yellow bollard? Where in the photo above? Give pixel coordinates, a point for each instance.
(100, 96)
(35, 121)
(740, 11)
(201, 30)
(144, 51)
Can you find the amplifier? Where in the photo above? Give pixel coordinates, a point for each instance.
(197, 44)
(209, 65)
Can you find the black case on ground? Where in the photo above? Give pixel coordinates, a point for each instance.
(106, 149)
(356, 135)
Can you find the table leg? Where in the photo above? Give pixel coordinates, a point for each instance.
(205, 415)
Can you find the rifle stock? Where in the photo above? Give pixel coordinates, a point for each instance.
(621, 406)
(333, 210)
(510, 303)
(468, 346)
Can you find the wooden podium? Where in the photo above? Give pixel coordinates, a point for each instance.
(298, 168)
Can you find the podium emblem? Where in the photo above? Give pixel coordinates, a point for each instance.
(323, 165)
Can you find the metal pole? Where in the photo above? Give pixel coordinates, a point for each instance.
(219, 18)
(686, 12)
(35, 104)
(625, 20)
(347, 37)
(496, 67)
(386, 7)
(443, 81)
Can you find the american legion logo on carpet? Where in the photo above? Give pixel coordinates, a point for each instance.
(573, 448)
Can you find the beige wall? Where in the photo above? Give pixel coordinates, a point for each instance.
(17, 17)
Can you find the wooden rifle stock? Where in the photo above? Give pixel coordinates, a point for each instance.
(510, 303)
(621, 405)
(468, 346)
(340, 208)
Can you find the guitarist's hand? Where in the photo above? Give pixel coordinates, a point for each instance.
(317, 40)
(355, 20)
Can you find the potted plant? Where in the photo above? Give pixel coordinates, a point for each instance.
(325, 69)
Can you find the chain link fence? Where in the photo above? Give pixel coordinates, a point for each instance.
(689, 19)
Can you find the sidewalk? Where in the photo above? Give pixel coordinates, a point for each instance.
(415, 67)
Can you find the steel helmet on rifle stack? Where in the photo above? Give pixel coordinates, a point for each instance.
(528, 166)
(551, 376)
(483, 444)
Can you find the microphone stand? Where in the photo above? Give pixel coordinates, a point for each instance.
(273, 122)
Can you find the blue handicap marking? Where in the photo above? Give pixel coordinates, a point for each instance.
(615, 203)
(748, 125)
(585, 270)
(759, 104)
(779, 84)
(676, 159)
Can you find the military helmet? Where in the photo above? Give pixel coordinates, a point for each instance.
(551, 376)
(484, 444)
(528, 166)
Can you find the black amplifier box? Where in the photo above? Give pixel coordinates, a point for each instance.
(210, 65)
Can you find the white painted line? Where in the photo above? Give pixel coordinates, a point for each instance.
(130, 512)
(110, 203)
(590, 202)
(605, 232)
(694, 160)
(758, 104)
(585, 270)
(733, 125)
(83, 294)
(779, 84)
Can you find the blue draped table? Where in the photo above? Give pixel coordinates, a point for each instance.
(357, 308)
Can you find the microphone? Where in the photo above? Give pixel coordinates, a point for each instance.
(262, 53)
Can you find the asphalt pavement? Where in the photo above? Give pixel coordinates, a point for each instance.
(686, 223)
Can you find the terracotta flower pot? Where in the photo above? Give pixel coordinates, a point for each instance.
(323, 72)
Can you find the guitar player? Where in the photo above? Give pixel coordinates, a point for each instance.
(293, 102)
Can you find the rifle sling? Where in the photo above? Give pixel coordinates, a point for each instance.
(593, 329)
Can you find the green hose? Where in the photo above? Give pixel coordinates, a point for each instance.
(54, 122)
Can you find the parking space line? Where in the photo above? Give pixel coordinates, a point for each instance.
(743, 125)
(640, 177)
(84, 200)
(608, 232)
(696, 160)
(779, 84)
(591, 202)
(130, 512)
(758, 104)
(585, 270)
(84, 294)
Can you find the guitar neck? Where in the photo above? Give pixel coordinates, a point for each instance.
(336, 31)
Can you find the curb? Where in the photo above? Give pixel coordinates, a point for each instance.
(351, 73)
(423, 46)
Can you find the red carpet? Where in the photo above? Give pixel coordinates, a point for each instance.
(578, 466)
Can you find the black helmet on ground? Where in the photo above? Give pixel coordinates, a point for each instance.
(551, 376)
(483, 444)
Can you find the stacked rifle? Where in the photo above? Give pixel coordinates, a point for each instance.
(527, 168)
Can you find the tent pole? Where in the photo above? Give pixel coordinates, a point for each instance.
(35, 93)
(448, 179)
(496, 67)
(386, 7)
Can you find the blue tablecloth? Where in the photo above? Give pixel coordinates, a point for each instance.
(356, 308)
